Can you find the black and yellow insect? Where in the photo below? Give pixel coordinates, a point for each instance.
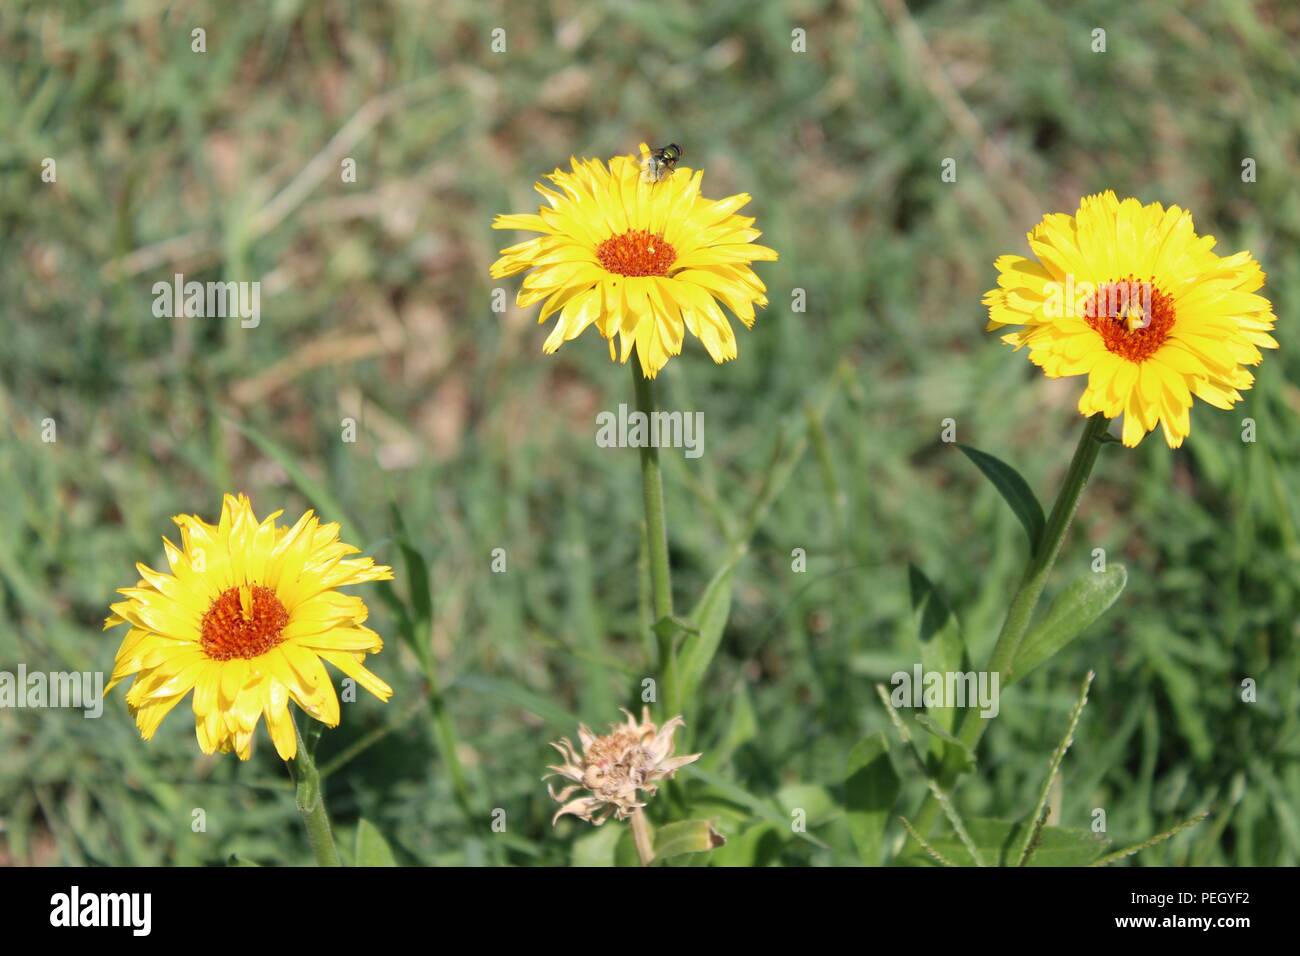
(661, 162)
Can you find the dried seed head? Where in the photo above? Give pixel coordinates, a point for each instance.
(634, 756)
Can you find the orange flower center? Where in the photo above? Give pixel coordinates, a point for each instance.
(243, 622)
(636, 253)
(1133, 317)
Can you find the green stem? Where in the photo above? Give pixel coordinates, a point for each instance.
(309, 798)
(1026, 598)
(657, 540)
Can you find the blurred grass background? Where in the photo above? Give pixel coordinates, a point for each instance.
(376, 305)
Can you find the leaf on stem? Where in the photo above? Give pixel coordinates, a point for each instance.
(1014, 490)
(708, 619)
(1084, 600)
(672, 626)
(688, 836)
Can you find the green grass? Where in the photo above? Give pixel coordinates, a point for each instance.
(376, 304)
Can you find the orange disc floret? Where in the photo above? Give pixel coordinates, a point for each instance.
(243, 622)
(636, 253)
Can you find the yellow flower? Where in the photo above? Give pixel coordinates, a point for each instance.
(1132, 297)
(244, 619)
(638, 259)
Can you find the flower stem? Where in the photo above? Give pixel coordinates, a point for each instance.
(641, 835)
(1021, 611)
(309, 798)
(657, 539)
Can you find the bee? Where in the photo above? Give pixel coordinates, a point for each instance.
(660, 163)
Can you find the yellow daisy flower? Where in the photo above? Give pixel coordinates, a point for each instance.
(639, 259)
(1132, 297)
(244, 619)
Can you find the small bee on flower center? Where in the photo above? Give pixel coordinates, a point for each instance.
(661, 162)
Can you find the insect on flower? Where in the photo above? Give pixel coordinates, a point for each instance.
(644, 262)
(658, 164)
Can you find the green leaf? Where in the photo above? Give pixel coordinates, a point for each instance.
(709, 618)
(999, 841)
(672, 626)
(236, 860)
(625, 848)
(1014, 490)
(934, 730)
(688, 836)
(597, 848)
(1085, 599)
(938, 635)
(870, 790)
(815, 801)
(742, 727)
(757, 805)
(418, 622)
(372, 849)
(758, 845)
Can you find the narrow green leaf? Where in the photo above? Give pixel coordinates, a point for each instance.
(236, 860)
(742, 727)
(372, 849)
(870, 789)
(418, 624)
(1084, 600)
(1014, 490)
(688, 836)
(709, 619)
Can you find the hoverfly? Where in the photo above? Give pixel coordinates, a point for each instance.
(660, 163)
